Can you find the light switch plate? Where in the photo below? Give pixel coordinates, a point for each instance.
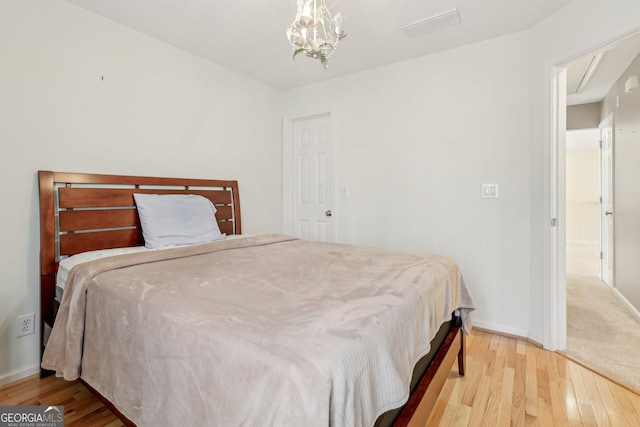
(489, 191)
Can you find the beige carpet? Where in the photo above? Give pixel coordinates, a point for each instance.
(601, 331)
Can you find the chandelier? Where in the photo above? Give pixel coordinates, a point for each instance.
(315, 32)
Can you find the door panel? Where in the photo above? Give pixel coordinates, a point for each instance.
(313, 181)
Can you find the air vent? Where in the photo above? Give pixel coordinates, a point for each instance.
(431, 24)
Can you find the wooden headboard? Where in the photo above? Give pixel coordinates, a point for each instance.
(83, 212)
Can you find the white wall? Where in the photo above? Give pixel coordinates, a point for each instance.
(159, 111)
(583, 195)
(583, 116)
(572, 31)
(416, 140)
(423, 135)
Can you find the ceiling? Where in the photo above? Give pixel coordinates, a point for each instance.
(613, 63)
(249, 36)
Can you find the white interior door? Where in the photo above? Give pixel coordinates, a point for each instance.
(313, 190)
(606, 207)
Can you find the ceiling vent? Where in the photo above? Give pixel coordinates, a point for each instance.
(431, 24)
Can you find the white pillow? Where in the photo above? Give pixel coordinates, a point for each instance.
(176, 219)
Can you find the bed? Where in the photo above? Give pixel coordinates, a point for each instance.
(235, 332)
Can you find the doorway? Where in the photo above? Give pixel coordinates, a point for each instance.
(308, 178)
(555, 245)
(583, 203)
(596, 313)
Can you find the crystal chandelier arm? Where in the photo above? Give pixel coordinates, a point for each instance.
(306, 34)
(325, 34)
(315, 19)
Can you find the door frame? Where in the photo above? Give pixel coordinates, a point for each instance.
(555, 289)
(608, 121)
(287, 167)
(555, 262)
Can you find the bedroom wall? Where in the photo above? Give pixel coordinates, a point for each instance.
(415, 141)
(572, 31)
(159, 111)
(424, 134)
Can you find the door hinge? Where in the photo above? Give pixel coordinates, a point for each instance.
(600, 199)
(600, 144)
(601, 255)
(554, 222)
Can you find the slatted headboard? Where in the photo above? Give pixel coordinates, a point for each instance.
(82, 212)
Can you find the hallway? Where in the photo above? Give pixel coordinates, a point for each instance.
(601, 331)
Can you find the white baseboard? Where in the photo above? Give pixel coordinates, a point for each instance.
(501, 329)
(9, 377)
(626, 302)
(537, 339)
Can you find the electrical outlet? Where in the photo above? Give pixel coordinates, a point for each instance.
(26, 324)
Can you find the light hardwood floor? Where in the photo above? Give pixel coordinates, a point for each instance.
(509, 382)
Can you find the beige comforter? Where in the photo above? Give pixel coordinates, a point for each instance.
(260, 331)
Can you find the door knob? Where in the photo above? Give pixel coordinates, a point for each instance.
(608, 213)
(328, 213)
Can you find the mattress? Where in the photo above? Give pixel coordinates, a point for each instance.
(267, 330)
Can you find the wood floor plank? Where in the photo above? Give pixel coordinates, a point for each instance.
(531, 384)
(462, 416)
(582, 397)
(471, 381)
(545, 416)
(490, 416)
(623, 397)
(611, 405)
(435, 418)
(562, 403)
(508, 345)
(542, 375)
(519, 390)
(506, 397)
(480, 402)
(595, 399)
(636, 404)
(509, 382)
(451, 393)
(567, 387)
